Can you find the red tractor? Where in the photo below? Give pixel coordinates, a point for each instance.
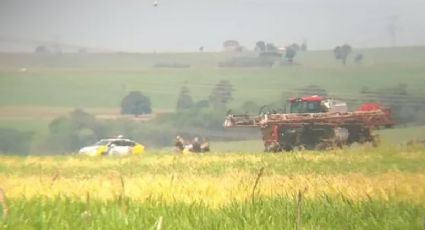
(315, 122)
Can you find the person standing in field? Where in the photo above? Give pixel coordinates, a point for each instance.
(196, 145)
(179, 145)
(205, 146)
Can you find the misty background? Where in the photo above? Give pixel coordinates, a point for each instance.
(185, 25)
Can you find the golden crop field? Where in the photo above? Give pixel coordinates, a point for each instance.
(386, 176)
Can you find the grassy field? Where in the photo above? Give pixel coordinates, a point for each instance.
(236, 187)
(102, 80)
(363, 188)
(54, 85)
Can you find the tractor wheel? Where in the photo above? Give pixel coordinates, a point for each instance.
(272, 148)
(288, 148)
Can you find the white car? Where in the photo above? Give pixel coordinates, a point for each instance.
(113, 147)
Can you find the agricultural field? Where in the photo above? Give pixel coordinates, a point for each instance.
(101, 80)
(362, 188)
(234, 187)
(52, 86)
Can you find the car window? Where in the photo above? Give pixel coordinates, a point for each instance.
(117, 143)
(102, 142)
(128, 143)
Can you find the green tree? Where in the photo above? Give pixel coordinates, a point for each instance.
(260, 46)
(358, 59)
(184, 101)
(342, 53)
(221, 94)
(290, 52)
(270, 47)
(136, 103)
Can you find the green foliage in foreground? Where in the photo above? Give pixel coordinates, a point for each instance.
(277, 213)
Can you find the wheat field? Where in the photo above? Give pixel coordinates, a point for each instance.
(361, 188)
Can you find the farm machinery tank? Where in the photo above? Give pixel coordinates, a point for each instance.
(315, 122)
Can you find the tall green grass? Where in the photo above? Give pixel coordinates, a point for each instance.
(276, 213)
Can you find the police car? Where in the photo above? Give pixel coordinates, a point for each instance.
(113, 147)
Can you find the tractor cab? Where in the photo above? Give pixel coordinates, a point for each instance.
(316, 104)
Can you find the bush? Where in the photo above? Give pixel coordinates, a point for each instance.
(69, 133)
(78, 129)
(14, 141)
(184, 101)
(221, 95)
(202, 104)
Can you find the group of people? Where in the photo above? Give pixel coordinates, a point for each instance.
(195, 146)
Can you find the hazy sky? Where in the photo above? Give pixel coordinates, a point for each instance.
(184, 25)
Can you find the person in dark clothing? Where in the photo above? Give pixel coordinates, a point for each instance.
(196, 145)
(179, 145)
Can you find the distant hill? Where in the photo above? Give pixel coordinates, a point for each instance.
(135, 61)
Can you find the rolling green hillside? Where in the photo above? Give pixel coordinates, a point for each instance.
(101, 80)
(36, 89)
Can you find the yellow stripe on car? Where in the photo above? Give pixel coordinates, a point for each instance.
(138, 149)
(101, 150)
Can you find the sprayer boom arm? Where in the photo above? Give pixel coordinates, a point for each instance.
(374, 118)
